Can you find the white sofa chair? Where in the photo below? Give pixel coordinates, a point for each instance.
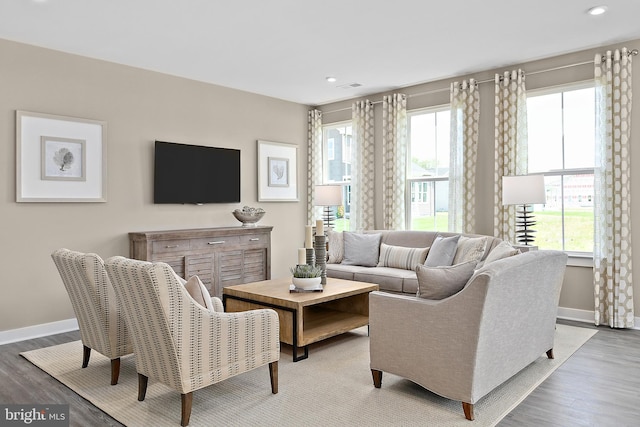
(465, 345)
(180, 343)
(102, 326)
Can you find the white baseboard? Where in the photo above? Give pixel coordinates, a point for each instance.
(584, 316)
(37, 331)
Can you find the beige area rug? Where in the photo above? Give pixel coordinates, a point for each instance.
(332, 387)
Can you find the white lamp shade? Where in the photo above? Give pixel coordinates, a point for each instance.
(523, 190)
(328, 195)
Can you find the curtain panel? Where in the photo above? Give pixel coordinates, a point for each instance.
(510, 145)
(613, 284)
(465, 115)
(314, 164)
(394, 171)
(362, 215)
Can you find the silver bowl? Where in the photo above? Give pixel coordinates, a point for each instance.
(248, 219)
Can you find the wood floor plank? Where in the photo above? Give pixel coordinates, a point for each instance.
(598, 386)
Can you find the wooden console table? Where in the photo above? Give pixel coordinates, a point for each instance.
(220, 256)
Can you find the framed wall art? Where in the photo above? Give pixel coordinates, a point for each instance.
(277, 172)
(60, 159)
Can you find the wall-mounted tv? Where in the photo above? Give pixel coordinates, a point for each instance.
(195, 174)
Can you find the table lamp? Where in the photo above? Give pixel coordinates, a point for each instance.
(524, 190)
(328, 196)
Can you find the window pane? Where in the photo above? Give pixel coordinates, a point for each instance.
(548, 217)
(544, 122)
(578, 213)
(337, 153)
(429, 205)
(579, 128)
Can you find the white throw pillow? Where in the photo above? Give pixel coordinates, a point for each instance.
(361, 249)
(401, 257)
(336, 247)
(441, 282)
(470, 248)
(502, 250)
(199, 292)
(442, 251)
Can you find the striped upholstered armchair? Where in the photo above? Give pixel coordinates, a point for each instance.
(173, 336)
(102, 327)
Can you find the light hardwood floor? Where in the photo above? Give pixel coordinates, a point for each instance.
(598, 386)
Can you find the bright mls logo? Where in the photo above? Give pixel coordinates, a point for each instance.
(34, 415)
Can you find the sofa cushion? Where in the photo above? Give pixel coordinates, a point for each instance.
(401, 257)
(335, 241)
(470, 248)
(389, 279)
(341, 271)
(361, 249)
(442, 282)
(503, 250)
(442, 251)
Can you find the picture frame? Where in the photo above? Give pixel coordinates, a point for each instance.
(277, 172)
(60, 158)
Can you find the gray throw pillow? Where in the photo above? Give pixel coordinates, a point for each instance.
(442, 251)
(441, 282)
(361, 249)
(503, 250)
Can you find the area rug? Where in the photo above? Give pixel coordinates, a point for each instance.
(332, 387)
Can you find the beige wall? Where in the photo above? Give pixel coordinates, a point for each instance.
(577, 292)
(139, 107)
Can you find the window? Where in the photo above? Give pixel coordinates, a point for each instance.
(561, 126)
(336, 153)
(428, 169)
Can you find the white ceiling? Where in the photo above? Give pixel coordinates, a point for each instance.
(286, 48)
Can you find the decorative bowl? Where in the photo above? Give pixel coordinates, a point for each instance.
(249, 216)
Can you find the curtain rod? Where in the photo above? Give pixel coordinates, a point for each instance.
(633, 52)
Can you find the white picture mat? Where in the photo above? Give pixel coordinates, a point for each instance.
(267, 149)
(30, 187)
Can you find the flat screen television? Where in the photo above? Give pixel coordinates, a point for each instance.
(196, 174)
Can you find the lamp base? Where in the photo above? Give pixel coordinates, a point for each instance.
(328, 217)
(524, 220)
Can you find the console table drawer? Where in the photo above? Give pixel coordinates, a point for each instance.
(161, 246)
(214, 242)
(254, 239)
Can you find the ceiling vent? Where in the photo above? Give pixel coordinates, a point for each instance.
(350, 85)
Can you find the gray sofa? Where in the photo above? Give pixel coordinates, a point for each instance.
(396, 280)
(463, 346)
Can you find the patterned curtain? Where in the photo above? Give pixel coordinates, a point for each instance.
(394, 150)
(465, 115)
(510, 145)
(362, 215)
(314, 164)
(612, 249)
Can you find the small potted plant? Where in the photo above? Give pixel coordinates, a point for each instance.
(306, 276)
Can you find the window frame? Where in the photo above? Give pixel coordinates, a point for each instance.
(409, 180)
(576, 258)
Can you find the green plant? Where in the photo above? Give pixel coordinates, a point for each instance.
(305, 271)
(340, 212)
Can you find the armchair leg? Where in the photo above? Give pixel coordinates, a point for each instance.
(273, 374)
(86, 354)
(142, 386)
(187, 400)
(377, 378)
(115, 370)
(468, 410)
(550, 353)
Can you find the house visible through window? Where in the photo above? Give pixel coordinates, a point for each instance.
(561, 125)
(427, 201)
(336, 153)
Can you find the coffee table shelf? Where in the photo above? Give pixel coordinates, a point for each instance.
(305, 318)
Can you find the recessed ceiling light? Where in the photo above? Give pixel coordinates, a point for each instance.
(331, 79)
(597, 10)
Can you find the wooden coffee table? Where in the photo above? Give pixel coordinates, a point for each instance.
(305, 318)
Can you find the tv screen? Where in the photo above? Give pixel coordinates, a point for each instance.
(195, 174)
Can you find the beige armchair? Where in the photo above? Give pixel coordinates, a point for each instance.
(102, 327)
(464, 346)
(180, 343)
